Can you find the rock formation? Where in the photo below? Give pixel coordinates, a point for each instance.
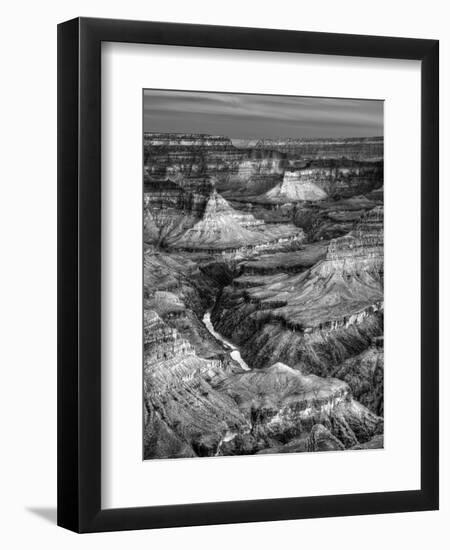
(284, 404)
(223, 228)
(296, 186)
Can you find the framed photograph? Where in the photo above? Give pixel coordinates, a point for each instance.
(247, 275)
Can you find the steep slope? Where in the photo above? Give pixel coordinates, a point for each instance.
(171, 207)
(220, 227)
(364, 373)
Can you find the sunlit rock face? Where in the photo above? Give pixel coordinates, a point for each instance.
(260, 162)
(222, 228)
(296, 186)
(360, 251)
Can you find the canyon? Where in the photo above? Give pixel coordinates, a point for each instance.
(263, 295)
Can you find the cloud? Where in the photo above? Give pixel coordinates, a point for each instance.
(247, 115)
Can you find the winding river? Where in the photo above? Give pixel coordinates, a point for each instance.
(234, 353)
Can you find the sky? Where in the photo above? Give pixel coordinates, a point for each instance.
(246, 116)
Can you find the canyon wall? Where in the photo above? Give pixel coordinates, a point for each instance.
(304, 149)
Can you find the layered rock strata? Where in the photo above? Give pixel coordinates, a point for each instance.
(223, 228)
(296, 186)
(181, 155)
(337, 178)
(316, 318)
(351, 148)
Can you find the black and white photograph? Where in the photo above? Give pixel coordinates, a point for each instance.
(263, 265)
(225, 275)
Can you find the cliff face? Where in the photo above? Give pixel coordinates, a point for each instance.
(325, 220)
(172, 155)
(338, 178)
(183, 155)
(259, 163)
(171, 208)
(364, 373)
(352, 148)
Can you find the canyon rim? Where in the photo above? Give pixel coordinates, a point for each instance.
(263, 274)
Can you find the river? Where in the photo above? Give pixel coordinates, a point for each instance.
(234, 353)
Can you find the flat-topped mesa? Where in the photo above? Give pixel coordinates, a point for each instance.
(368, 148)
(296, 186)
(280, 384)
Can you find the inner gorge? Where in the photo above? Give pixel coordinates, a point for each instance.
(263, 295)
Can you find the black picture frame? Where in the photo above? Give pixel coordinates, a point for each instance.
(79, 274)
